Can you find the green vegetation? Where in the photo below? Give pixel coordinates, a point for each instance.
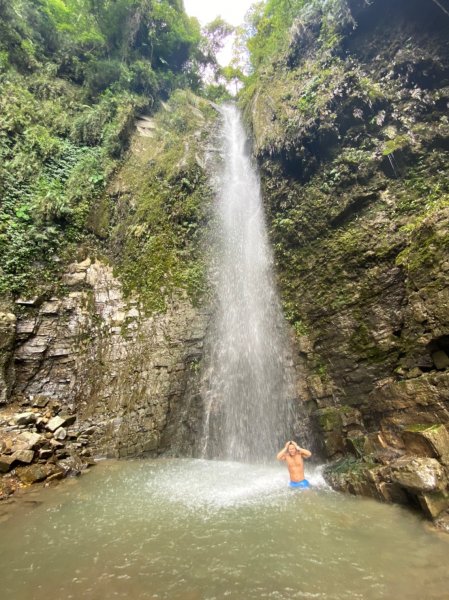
(268, 24)
(395, 144)
(158, 244)
(354, 174)
(73, 76)
(418, 428)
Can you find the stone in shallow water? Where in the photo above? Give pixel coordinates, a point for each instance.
(434, 503)
(419, 474)
(72, 465)
(392, 492)
(35, 473)
(443, 522)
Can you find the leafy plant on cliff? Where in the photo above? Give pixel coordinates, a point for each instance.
(158, 244)
(73, 76)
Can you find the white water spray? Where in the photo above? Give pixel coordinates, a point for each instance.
(248, 387)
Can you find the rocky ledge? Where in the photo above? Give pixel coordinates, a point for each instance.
(413, 473)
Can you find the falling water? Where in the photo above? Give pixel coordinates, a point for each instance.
(247, 391)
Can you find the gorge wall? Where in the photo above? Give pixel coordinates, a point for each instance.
(106, 361)
(351, 131)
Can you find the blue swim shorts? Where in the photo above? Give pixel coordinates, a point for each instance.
(303, 485)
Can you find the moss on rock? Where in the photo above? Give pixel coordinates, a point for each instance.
(160, 204)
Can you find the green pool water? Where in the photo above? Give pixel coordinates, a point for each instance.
(207, 530)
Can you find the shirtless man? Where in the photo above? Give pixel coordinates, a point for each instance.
(294, 455)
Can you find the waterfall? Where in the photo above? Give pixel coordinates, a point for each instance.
(247, 390)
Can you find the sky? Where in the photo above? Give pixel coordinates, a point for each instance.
(232, 11)
(205, 11)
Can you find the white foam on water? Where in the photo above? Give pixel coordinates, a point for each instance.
(221, 484)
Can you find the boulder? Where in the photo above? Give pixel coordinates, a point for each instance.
(23, 456)
(41, 401)
(60, 434)
(434, 503)
(72, 465)
(55, 423)
(89, 431)
(443, 522)
(35, 473)
(440, 360)
(418, 474)
(58, 474)
(6, 489)
(68, 419)
(31, 440)
(45, 453)
(6, 463)
(60, 421)
(26, 418)
(427, 441)
(392, 492)
(56, 445)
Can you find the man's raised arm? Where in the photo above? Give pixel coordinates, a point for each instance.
(282, 454)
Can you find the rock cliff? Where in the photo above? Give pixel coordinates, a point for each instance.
(106, 361)
(351, 132)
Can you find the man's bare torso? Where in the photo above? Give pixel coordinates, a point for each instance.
(295, 466)
(293, 455)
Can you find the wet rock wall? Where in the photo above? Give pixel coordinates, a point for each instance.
(101, 359)
(351, 132)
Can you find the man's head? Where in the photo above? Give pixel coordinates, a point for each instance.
(291, 449)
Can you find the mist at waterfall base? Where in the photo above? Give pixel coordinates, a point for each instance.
(172, 529)
(248, 385)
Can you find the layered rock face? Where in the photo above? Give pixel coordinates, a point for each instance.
(351, 131)
(95, 377)
(7, 335)
(103, 359)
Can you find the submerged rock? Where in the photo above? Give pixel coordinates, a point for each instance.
(434, 503)
(443, 522)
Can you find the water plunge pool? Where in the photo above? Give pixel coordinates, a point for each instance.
(209, 530)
